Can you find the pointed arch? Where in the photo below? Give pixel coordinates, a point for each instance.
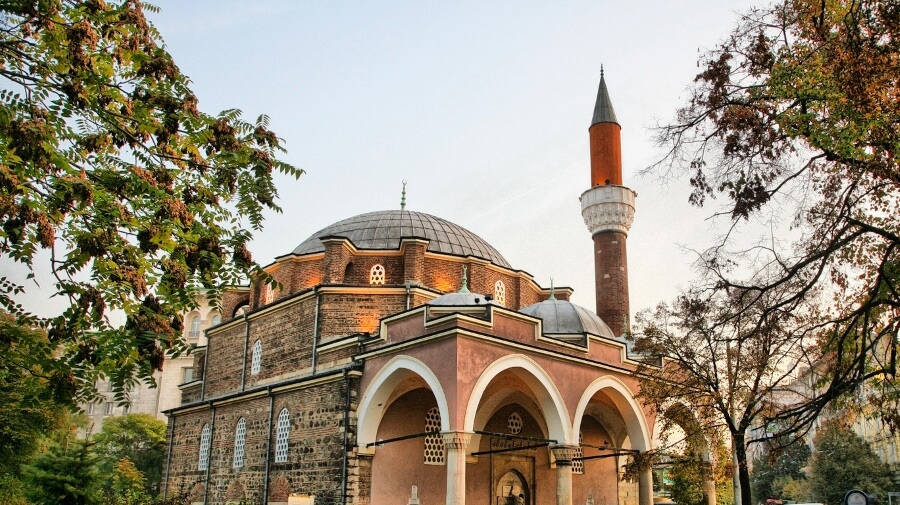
(628, 407)
(553, 409)
(373, 403)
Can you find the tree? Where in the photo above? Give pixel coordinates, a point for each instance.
(139, 439)
(137, 197)
(28, 409)
(844, 461)
(792, 126)
(65, 473)
(722, 367)
(776, 467)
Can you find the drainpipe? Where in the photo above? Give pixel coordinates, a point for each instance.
(268, 447)
(346, 435)
(205, 362)
(246, 344)
(315, 335)
(212, 430)
(407, 295)
(169, 457)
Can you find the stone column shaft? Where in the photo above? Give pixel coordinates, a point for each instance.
(563, 455)
(455, 442)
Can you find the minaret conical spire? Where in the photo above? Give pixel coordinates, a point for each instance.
(603, 108)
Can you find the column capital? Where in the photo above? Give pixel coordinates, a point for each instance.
(458, 440)
(564, 454)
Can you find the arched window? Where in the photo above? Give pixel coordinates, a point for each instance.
(256, 360)
(195, 327)
(216, 319)
(203, 458)
(578, 464)
(282, 430)
(500, 293)
(240, 434)
(268, 294)
(434, 444)
(376, 275)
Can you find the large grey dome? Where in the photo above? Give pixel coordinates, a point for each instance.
(565, 318)
(384, 229)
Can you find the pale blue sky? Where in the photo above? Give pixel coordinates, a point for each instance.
(483, 107)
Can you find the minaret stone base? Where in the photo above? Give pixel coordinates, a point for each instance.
(608, 212)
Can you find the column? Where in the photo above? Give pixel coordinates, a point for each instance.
(455, 442)
(709, 483)
(645, 487)
(563, 455)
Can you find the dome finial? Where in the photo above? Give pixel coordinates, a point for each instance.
(403, 197)
(552, 295)
(465, 280)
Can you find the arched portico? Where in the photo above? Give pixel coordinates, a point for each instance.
(545, 392)
(627, 422)
(375, 399)
(685, 433)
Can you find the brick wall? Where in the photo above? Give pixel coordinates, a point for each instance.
(224, 359)
(346, 314)
(286, 335)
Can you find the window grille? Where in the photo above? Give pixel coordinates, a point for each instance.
(578, 464)
(376, 275)
(500, 293)
(256, 360)
(515, 423)
(434, 444)
(239, 436)
(282, 430)
(268, 294)
(203, 461)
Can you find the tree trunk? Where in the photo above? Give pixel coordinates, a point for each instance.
(741, 471)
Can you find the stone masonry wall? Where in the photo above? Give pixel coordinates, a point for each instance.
(286, 335)
(224, 358)
(346, 314)
(315, 446)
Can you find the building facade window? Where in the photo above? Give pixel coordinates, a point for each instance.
(256, 360)
(240, 434)
(282, 431)
(376, 275)
(108, 408)
(434, 444)
(216, 319)
(500, 293)
(203, 458)
(195, 328)
(577, 462)
(90, 409)
(187, 374)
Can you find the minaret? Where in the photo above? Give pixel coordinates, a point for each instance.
(608, 210)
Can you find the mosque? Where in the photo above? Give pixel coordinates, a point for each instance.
(403, 360)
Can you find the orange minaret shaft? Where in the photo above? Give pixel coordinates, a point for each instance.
(606, 144)
(608, 210)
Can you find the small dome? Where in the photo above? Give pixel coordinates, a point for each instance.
(563, 317)
(384, 229)
(460, 299)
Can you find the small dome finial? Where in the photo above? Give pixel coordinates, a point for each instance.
(465, 280)
(552, 295)
(403, 197)
(601, 71)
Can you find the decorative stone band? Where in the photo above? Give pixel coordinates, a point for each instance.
(608, 208)
(458, 440)
(564, 454)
